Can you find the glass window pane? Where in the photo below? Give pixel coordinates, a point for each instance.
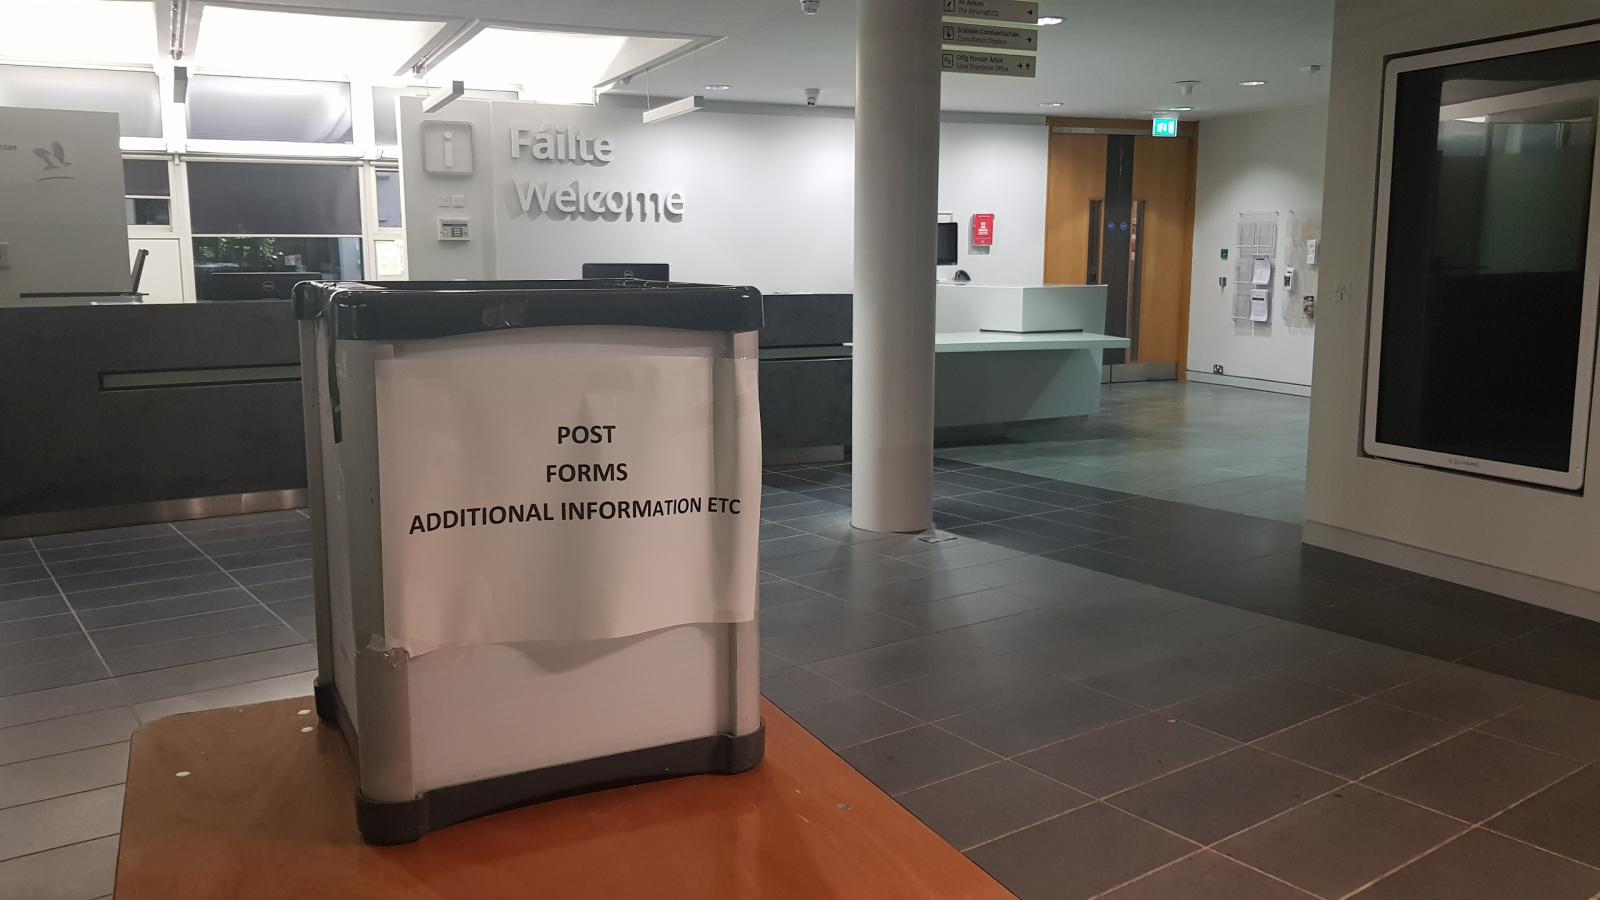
(1483, 282)
(134, 96)
(145, 178)
(231, 108)
(273, 198)
(147, 211)
(219, 263)
(389, 213)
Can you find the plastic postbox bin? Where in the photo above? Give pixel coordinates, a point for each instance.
(535, 509)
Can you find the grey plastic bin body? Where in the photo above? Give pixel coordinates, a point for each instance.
(502, 725)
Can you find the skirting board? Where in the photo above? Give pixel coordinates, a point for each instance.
(1124, 373)
(1566, 598)
(33, 524)
(1254, 384)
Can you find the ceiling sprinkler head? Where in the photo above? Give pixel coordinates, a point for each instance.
(810, 7)
(1186, 87)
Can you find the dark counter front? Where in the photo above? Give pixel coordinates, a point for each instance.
(117, 415)
(124, 414)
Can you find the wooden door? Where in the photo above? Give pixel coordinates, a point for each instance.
(1077, 176)
(1163, 180)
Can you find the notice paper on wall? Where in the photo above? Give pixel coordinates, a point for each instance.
(543, 489)
(1260, 305)
(1261, 271)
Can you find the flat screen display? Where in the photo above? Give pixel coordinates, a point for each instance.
(947, 243)
(1485, 280)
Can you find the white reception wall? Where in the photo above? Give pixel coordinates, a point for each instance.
(768, 195)
(1257, 162)
(1516, 539)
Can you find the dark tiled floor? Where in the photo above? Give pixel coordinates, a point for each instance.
(1091, 691)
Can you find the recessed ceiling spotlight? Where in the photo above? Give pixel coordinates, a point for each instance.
(717, 87)
(1186, 87)
(1051, 104)
(1251, 83)
(1050, 20)
(1179, 109)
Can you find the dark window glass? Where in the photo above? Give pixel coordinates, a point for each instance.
(145, 178)
(149, 211)
(273, 198)
(322, 258)
(1492, 163)
(230, 108)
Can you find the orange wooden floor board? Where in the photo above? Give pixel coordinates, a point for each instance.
(267, 811)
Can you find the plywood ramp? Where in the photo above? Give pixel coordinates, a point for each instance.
(267, 811)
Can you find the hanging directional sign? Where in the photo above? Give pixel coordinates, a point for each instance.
(990, 37)
(973, 62)
(994, 10)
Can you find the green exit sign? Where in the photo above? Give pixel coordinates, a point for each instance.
(1164, 127)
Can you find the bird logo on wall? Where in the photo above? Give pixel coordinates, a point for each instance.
(54, 159)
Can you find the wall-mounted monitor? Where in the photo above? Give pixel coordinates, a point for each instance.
(948, 239)
(1487, 265)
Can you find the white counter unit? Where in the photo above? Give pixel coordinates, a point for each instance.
(1021, 308)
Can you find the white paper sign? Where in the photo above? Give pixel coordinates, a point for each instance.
(562, 493)
(1259, 306)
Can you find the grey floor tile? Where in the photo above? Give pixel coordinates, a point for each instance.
(228, 535)
(255, 559)
(1560, 723)
(923, 588)
(1021, 631)
(34, 827)
(772, 662)
(149, 611)
(148, 657)
(1080, 854)
(61, 646)
(1472, 776)
(1341, 841)
(79, 668)
(773, 593)
(1359, 739)
(839, 638)
(989, 802)
(195, 677)
(965, 609)
(115, 640)
(907, 760)
(1119, 756)
(257, 575)
(957, 555)
(1259, 707)
(208, 581)
(61, 623)
(70, 732)
(32, 607)
(1199, 623)
(798, 543)
(18, 575)
(279, 591)
(807, 612)
(167, 541)
(80, 871)
(218, 544)
(795, 689)
(852, 720)
(1033, 720)
(956, 689)
(1206, 876)
(1211, 800)
(891, 663)
(1561, 818)
(17, 557)
(102, 535)
(74, 585)
(1462, 695)
(20, 709)
(122, 562)
(64, 773)
(1365, 670)
(1172, 677)
(1484, 866)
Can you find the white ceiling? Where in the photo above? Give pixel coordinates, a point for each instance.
(1110, 57)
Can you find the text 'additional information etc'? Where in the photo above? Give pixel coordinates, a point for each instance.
(535, 491)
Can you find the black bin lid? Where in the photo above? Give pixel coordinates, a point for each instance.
(405, 310)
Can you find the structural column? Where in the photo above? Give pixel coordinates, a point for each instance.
(897, 193)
